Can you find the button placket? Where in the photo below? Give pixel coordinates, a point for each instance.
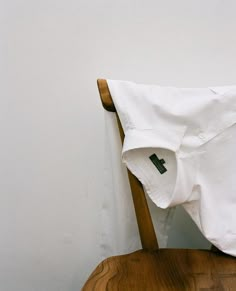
(202, 136)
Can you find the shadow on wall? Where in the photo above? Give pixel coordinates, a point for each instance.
(184, 233)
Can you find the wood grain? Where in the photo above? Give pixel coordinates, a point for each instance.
(105, 95)
(165, 269)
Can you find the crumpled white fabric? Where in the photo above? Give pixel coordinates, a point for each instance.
(193, 131)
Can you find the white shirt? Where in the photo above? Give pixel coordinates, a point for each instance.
(181, 144)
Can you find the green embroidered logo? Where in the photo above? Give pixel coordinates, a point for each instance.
(158, 163)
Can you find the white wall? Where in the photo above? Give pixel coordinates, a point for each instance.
(52, 123)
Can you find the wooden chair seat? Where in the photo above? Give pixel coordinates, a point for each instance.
(158, 269)
(165, 269)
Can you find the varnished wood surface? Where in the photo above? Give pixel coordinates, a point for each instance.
(165, 269)
(105, 95)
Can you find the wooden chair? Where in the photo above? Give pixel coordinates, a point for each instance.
(152, 268)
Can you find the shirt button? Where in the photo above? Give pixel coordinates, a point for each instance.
(201, 136)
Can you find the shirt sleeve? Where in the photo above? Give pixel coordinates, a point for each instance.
(153, 135)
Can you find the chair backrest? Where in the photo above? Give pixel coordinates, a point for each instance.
(145, 225)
